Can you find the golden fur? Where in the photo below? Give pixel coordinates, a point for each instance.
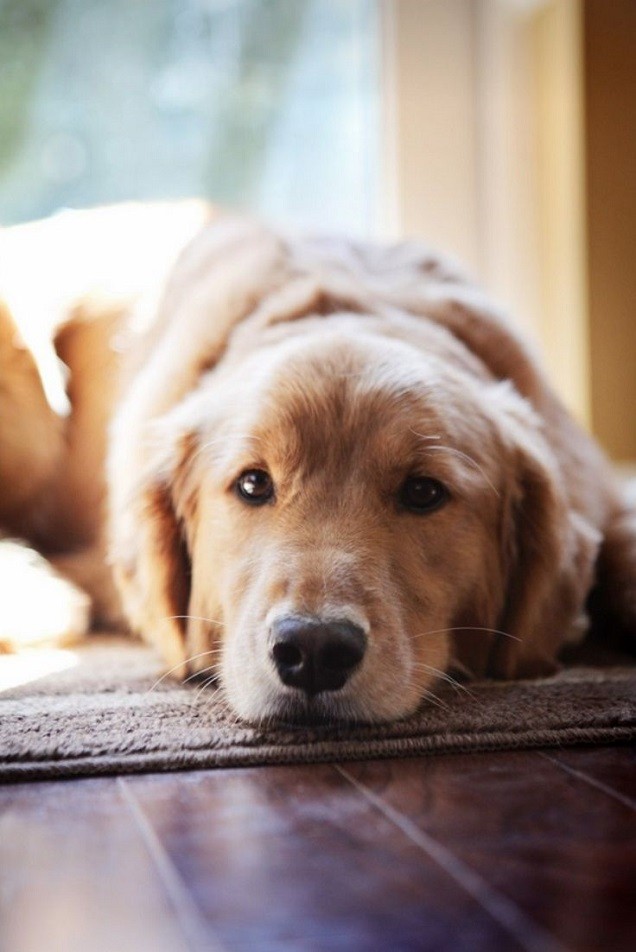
(340, 369)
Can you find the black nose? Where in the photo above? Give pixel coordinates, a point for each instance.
(316, 655)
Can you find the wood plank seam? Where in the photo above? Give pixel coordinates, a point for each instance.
(194, 927)
(506, 913)
(591, 781)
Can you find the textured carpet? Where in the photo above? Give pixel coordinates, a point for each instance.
(97, 710)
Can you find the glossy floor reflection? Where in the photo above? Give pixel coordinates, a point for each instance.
(524, 850)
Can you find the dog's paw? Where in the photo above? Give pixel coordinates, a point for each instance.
(37, 606)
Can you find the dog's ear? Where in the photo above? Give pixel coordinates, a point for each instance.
(151, 560)
(215, 286)
(548, 553)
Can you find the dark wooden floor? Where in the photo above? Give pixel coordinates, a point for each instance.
(526, 850)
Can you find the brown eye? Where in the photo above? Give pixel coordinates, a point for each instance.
(422, 494)
(255, 486)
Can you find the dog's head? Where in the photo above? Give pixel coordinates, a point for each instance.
(334, 519)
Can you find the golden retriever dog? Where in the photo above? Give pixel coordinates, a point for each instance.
(326, 472)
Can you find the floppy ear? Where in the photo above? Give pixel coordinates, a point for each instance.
(548, 552)
(215, 286)
(152, 561)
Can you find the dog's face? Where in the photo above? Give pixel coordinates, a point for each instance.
(342, 507)
(335, 514)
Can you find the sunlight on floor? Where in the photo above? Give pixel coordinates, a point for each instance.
(40, 609)
(34, 663)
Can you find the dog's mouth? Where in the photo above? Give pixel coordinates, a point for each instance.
(290, 710)
(301, 713)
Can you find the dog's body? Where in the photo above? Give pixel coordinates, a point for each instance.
(333, 471)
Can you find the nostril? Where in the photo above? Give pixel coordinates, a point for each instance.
(289, 656)
(340, 657)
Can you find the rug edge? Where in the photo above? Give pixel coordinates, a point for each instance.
(324, 752)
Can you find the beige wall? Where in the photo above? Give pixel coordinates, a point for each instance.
(431, 133)
(484, 138)
(511, 142)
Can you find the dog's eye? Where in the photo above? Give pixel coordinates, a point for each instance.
(422, 494)
(255, 486)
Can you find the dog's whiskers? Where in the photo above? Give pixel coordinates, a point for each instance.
(198, 674)
(232, 717)
(443, 676)
(214, 652)
(493, 631)
(175, 667)
(204, 686)
(212, 621)
(434, 699)
(462, 668)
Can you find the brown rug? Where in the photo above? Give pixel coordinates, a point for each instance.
(104, 713)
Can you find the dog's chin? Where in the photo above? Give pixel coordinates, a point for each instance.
(297, 710)
(291, 708)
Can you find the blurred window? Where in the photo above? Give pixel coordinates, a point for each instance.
(266, 104)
